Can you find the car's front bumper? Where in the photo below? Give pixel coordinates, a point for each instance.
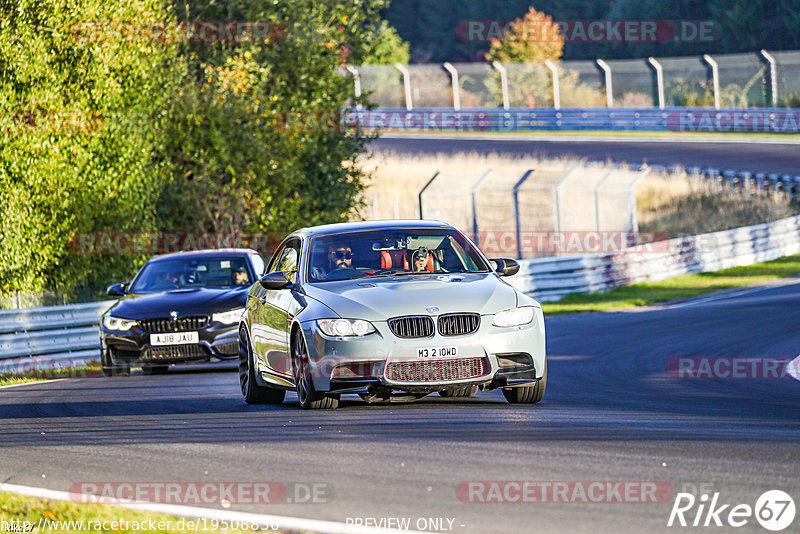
(510, 356)
(216, 342)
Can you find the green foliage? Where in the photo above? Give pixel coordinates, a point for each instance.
(115, 131)
(74, 144)
(389, 48)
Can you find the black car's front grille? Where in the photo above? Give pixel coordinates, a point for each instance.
(412, 326)
(228, 349)
(175, 352)
(181, 324)
(458, 324)
(437, 370)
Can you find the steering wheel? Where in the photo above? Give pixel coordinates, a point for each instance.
(342, 273)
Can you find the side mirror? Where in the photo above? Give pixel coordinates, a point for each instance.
(276, 280)
(506, 266)
(116, 290)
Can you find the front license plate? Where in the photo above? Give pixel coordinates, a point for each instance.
(437, 352)
(175, 338)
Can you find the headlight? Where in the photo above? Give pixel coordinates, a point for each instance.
(345, 327)
(115, 323)
(514, 316)
(228, 317)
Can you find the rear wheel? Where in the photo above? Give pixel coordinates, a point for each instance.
(251, 391)
(113, 369)
(527, 394)
(467, 391)
(309, 398)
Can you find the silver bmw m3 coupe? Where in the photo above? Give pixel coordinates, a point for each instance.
(392, 311)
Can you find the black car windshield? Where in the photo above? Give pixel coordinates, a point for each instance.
(377, 253)
(185, 273)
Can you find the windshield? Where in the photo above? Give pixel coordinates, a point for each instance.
(185, 273)
(390, 253)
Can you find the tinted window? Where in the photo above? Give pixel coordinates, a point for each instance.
(183, 273)
(391, 252)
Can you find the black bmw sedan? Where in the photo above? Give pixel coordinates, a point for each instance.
(181, 307)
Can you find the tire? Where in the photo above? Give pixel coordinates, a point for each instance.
(251, 391)
(467, 391)
(113, 369)
(154, 369)
(527, 394)
(309, 398)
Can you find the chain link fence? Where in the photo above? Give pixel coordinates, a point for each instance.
(761, 79)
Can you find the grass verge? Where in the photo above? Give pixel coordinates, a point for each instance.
(63, 516)
(38, 375)
(680, 287)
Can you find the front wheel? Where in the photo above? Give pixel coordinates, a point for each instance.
(113, 369)
(309, 398)
(251, 391)
(527, 394)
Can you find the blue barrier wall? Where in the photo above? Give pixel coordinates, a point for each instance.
(778, 120)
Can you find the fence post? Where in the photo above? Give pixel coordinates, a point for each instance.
(634, 220)
(556, 196)
(556, 89)
(516, 210)
(503, 81)
(406, 84)
(456, 89)
(659, 80)
(608, 82)
(714, 78)
(773, 77)
(357, 82)
(596, 194)
(424, 187)
(473, 193)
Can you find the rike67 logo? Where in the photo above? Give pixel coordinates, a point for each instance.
(774, 510)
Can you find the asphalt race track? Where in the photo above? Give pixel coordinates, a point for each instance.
(742, 155)
(611, 413)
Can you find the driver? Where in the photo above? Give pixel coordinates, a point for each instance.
(340, 256)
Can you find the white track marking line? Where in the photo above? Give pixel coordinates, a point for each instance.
(793, 368)
(270, 521)
(32, 383)
(584, 139)
(727, 295)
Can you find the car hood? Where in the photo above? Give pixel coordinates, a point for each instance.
(200, 301)
(377, 299)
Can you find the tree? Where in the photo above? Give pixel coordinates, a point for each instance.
(532, 38)
(389, 48)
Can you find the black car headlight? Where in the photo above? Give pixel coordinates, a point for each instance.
(228, 317)
(117, 324)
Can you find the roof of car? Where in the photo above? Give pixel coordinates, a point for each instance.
(207, 253)
(397, 224)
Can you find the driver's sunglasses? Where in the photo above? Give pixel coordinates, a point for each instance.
(343, 255)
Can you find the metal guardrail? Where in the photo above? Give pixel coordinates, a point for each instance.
(676, 119)
(50, 337)
(549, 279)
